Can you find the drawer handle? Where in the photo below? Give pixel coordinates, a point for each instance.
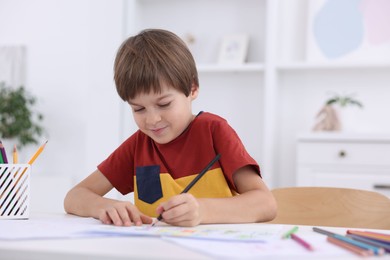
(382, 186)
(342, 154)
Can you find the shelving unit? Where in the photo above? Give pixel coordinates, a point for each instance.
(275, 95)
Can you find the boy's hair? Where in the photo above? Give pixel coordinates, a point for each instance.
(150, 58)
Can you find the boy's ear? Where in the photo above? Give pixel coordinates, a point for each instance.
(194, 91)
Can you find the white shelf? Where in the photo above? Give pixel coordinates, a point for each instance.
(247, 67)
(344, 136)
(332, 65)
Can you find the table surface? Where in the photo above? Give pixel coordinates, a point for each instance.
(138, 247)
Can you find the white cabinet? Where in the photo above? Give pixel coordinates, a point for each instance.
(350, 161)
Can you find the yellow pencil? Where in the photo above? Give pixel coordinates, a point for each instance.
(37, 153)
(15, 155)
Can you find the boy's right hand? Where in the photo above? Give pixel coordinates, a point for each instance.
(123, 213)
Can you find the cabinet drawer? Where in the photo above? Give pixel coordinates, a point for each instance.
(373, 182)
(344, 153)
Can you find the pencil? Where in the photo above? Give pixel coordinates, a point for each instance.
(370, 241)
(376, 250)
(194, 181)
(291, 231)
(15, 155)
(372, 235)
(37, 153)
(355, 249)
(3, 153)
(302, 242)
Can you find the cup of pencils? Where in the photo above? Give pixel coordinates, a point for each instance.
(15, 184)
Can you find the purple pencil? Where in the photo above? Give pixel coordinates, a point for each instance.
(3, 153)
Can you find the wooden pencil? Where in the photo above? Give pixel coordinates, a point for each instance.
(302, 242)
(3, 153)
(355, 249)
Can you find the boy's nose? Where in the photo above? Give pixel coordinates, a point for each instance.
(152, 118)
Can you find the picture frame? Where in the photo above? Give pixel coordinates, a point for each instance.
(234, 49)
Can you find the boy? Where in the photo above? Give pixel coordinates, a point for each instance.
(156, 74)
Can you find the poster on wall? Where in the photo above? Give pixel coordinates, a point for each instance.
(348, 30)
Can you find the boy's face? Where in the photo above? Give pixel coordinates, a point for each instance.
(163, 116)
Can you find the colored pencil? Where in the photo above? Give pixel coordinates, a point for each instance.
(3, 153)
(302, 242)
(373, 235)
(194, 181)
(15, 155)
(355, 249)
(376, 250)
(37, 153)
(291, 231)
(371, 241)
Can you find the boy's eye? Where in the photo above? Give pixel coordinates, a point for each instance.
(164, 105)
(138, 109)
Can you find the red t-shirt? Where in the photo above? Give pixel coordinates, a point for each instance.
(155, 172)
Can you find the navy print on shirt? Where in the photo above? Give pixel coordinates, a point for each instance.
(148, 183)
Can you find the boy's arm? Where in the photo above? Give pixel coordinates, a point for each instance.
(254, 204)
(86, 199)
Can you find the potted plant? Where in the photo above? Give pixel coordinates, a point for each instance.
(18, 119)
(344, 101)
(346, 107)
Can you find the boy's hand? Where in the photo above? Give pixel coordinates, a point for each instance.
(181, 210)
(123, 213)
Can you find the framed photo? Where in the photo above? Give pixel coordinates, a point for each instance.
(234, 49)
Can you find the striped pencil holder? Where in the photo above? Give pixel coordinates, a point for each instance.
(14, 191)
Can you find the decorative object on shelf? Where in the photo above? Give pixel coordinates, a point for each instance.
(234, 49)
(18, 119)
(327, 120)
(348, 30)
(338, 114)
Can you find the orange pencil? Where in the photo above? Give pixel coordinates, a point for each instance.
(373, 235)
(37, 153)
(15, 155)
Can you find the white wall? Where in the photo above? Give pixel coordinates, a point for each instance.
(70, 50)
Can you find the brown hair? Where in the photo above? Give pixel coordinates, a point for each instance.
(151, 57)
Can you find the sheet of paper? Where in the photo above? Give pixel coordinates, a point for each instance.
(238, 233)
(56, 226)
(275, 248)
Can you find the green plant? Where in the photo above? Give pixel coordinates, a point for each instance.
(18, 120)
(343, 101)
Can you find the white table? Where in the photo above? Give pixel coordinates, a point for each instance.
(113, 248)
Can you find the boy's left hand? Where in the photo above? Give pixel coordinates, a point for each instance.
(181, 210)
